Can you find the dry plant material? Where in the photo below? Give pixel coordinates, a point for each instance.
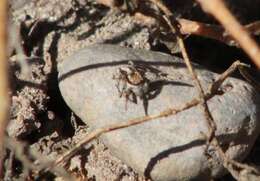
(174, 28)
(254, 28)
(219, 10)
(214, 31)
(144, 20)
(109, 3)
(201, 29)
(4, 91)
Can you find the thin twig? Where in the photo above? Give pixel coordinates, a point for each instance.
(4, 95)
(15, 41)
(173, 26)
(214, 31)
(201, 29)
(225, 74)
(219, 10)
(253, 28)
(9, 166)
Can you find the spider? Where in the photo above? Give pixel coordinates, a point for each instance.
(134, 81)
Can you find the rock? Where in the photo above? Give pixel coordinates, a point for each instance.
(170, 148)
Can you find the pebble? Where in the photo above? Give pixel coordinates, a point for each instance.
(169, 148)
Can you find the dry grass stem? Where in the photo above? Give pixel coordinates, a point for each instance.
(214, 87)
(218, 9)
(4, 91)
(16, 43)
(173, 26)
(254, 28)
(201, 29)
(214, 31)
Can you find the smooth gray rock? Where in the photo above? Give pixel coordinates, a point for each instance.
(170, 148)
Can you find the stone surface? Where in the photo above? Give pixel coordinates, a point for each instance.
(169, 148)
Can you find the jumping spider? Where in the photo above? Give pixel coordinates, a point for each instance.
(134, 80)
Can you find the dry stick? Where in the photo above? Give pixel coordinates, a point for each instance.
(173, 26)
(25, 68)
(214, 31)
(210, 123)
(253, 28)
(4, 96)
(237, 64)
(218, 9)
(9, 166)
(202, 29)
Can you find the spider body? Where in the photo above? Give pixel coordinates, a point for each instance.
(133, 82)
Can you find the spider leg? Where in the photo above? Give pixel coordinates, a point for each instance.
(126, 95)
(121, 87)
(118, 90)
(133, 97)
(145, 104)
(126, 100)
(144, 97)
(124, 88)
(129, 96)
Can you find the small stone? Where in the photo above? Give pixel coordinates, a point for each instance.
(169, 148)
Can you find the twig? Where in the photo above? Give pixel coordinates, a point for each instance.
(173, 26)
(9, 166)
(201, 29)
(15, 39)
(214, 31)
(210, 123)
(4, 95)
(225, 74)
(253, 28)
(218, 9)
